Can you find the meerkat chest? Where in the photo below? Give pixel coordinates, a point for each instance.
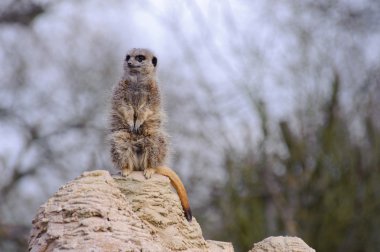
(137, 96)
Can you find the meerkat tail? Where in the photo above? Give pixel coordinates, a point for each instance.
(179, 187)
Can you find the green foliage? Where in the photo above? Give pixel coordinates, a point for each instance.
(325, 187)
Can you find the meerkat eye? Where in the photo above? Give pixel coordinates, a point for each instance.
(127, 58)
(140, 58)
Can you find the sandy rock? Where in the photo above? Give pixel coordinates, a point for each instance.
(97, 212)
(281, 244)
(157, 205)
(220, 246)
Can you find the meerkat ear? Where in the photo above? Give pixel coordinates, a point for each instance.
(154, 61)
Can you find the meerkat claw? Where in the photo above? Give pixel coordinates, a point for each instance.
(148, 172)
(138, 124)
(137, 127)
(125, 172)
(136, 130)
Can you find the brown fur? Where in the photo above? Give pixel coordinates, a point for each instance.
(138, 141)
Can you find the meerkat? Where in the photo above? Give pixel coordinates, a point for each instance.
(138, 140)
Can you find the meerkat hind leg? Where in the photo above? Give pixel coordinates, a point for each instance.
(148, 172)
(130, 161)
(126, 172)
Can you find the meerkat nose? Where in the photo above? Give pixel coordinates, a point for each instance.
(129, 64)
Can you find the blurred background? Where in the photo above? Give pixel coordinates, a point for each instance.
(273, 110)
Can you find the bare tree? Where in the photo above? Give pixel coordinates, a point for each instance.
(53, 107)
(20, 12)
(260, 104)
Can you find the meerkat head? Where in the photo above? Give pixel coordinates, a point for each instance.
(140, 61)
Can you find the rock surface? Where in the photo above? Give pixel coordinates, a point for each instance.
(97, 212)
(281, 244)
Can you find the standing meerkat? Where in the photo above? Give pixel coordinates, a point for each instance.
(138, 141)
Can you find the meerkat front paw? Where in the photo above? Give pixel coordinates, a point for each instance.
(136, 128)
(131, 127)
(125, 172)
(148, 172)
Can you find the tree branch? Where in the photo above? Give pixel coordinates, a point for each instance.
(20, 12)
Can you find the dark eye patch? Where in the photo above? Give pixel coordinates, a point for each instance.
(140, 58)
(127, 58)
(154, 61)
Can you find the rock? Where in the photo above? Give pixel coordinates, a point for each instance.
(220, 246)
(281, 244)
(97, 212)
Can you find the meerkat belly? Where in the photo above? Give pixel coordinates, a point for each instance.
(137, 143)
